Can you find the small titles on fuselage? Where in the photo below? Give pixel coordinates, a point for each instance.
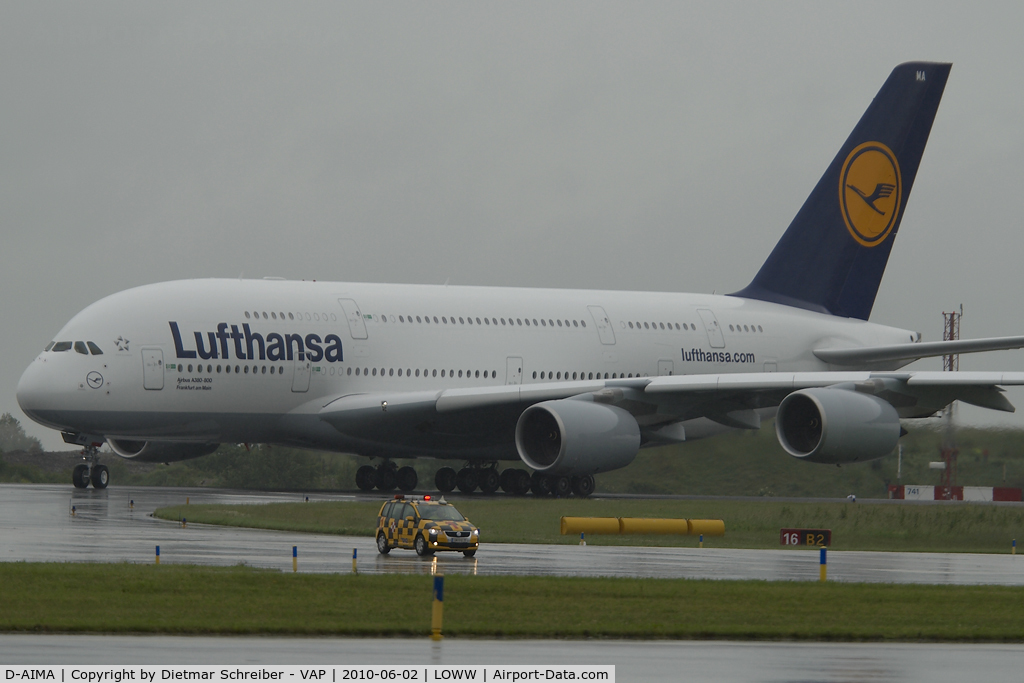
(249, 345)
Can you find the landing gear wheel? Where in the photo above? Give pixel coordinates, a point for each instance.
(467, 480)
(80, 477)
(583, 486)
(422, 549)
(382, 544)
(365, 478)
(561, 486)
(523, 482)
(100, 477)
(489, 480)
(385, 478)
(507, 480)
(445, 480)
(469, 553)
(407, 479)
(540, 484)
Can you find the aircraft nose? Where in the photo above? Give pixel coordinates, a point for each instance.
(32, 389)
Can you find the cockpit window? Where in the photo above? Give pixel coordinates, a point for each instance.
(49, 346)
(95, 349)
(61, 346)
(80, 348)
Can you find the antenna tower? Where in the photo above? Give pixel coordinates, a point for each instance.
(950, 363)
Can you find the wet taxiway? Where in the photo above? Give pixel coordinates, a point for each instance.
(722, 662)
(36, 524)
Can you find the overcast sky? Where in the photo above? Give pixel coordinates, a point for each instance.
(645, 146)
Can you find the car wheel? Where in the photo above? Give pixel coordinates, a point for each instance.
(469, 553)
(422, 549)
(382, 544)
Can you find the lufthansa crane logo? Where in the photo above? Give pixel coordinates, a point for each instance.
(870, 190)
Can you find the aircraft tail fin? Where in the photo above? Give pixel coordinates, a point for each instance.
(832, 256)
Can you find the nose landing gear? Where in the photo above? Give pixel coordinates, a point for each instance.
(90, 471)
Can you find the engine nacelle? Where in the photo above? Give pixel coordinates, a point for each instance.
(836, 426)
(160, 451)
(576, 437)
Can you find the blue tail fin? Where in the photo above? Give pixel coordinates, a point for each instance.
(833, 254)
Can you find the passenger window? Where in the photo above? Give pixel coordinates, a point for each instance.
(426, 319)
(535, 322)
(401, 318)
(418, 319)
(583, 323)
(417, 372)
(444, 320)
(80, 348)
(518, 321)
(264, 369)
(478, 374)
(543, 322)
(575, 323)
(272, 369)
(95, 349)
(534, 374)
(190, 368)
(273, 315)
(434, 373)
(502, 321)
(246, 369)
(478, 321)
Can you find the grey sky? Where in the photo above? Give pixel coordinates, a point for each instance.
(661, 146)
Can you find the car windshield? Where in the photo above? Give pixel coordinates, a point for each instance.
(441, 513)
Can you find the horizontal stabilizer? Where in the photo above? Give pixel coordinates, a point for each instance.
(908, 352)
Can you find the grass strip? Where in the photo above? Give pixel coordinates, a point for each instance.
(957, 527)
(187, 599)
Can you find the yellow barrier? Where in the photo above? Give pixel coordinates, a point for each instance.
(639, 525)
(589, 525)
(708, 527)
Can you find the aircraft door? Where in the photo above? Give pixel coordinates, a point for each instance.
(665, 367)
(152, 369)
(714, 330)
(300, 381)
(604, 324)
(355, 318)
(513, 370)
(771, 366)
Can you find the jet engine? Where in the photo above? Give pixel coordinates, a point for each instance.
(160, 451)
(574, 437)
(836, 426)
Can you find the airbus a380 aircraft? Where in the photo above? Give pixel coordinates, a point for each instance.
(570, 383)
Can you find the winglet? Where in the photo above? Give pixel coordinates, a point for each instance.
(832, 256)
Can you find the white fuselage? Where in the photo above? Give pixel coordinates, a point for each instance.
(255, 361)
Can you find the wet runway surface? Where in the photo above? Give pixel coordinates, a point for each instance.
(723, 662)
(36, 524)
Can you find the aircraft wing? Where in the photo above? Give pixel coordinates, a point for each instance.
(729, 399)
(907, 352)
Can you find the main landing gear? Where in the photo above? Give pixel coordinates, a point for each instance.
(386, 476)
(90, 471)
(483, 476)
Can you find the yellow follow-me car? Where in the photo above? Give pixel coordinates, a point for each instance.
(425, 525)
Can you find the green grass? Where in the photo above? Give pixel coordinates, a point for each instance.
(183, 599)
(957, 527)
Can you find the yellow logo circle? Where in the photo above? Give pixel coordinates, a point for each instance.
(870, 190)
